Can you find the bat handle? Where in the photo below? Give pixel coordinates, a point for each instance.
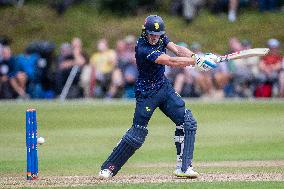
(222, 58)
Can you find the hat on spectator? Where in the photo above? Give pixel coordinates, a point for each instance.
(273, 43)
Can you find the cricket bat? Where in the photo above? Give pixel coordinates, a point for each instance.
(243, 54)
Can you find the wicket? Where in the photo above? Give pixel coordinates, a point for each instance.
(31, 143)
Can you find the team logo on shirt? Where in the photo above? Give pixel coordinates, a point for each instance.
(148, 109)
(156, 24)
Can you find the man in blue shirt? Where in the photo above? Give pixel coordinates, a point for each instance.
(153, 90)
(12, 80)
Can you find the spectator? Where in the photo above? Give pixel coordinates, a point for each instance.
(12, 83)
(4, 41)
(191, 8)
(121, 54)
(44, 72)
(69, 57)
(203, 81)
(232, 11)
(187, 8)
(80, 56)
(125, 72)
(64, 63)
(223, 74)
(270, 66)
(182, 79)
(103, 63)
(245, 73)
(85, 80)
(81, 59)
(176, 75)
(27, 63)
(130, 72)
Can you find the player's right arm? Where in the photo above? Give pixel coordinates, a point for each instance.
(175, 61)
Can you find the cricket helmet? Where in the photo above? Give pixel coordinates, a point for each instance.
(154, 24)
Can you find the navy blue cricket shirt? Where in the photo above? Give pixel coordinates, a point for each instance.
(150, 74)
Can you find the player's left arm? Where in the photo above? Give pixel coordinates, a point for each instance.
(204, 63)
(179, 50)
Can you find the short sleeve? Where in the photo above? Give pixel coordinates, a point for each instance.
(166, 40)
(154, 55)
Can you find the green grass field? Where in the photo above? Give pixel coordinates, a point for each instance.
(80, 135)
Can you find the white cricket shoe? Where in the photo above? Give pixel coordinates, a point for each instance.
(189, 173)
(105, 174)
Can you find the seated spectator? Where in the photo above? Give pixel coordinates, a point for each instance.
(182, 78)
(176, 75)
(63, 62)
(81, 59)
(44, 73)
(103, 63)
(12, 82)
(27, 63)
(69, 57)
(203, 81)
(223, 74)
(245, 72)
(270, 66)
(129, 71)
(85, 80)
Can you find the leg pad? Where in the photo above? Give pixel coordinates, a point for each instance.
(190, 127)
(131, 141)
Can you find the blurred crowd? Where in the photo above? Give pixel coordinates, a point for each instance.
(243, 78)
(40, 73)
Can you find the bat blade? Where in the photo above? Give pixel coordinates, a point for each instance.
(244, 54)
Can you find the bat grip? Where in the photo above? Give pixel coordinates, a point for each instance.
(222, 58)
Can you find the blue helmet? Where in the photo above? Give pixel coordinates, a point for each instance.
(154, 24)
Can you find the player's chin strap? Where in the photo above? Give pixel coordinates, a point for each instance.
(190, 127)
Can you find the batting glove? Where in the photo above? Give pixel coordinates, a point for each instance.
(205, 63)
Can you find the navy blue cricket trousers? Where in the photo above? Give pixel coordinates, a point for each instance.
(168, 101)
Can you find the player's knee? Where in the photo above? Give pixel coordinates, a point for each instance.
(178, 116)
(189, 121)
(136, 135)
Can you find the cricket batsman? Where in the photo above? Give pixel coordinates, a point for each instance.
(153, 90)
